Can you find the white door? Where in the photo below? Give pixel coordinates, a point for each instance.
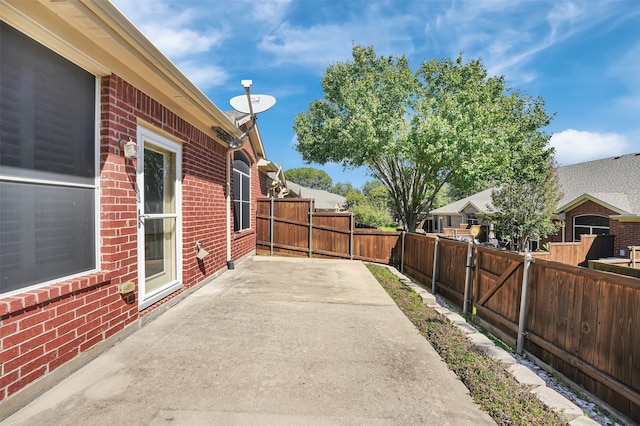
(159, 224)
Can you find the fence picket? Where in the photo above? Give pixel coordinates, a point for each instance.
(585, 323)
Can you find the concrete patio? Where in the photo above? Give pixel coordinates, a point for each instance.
(275, 341)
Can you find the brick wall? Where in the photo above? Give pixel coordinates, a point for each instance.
(627, 234)
(45, 328)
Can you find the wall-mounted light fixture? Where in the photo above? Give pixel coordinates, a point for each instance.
(130, 149)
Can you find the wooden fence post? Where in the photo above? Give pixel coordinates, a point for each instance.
(402, 254)
(467, 280)
(271, 213)
(351, 224)
(435, 267)
(523, 303)
(310, 228)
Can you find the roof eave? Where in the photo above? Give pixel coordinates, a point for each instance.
(97, 36)
(584, 198)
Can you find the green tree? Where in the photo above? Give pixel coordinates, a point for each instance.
(342, 188)
(355, 197)
(366, 211)
(370, 215)
(448, 123)
(310, 178)
(521, 210)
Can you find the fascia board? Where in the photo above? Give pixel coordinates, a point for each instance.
(96, 36)
(583, 199)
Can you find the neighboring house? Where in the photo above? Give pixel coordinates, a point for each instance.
(94, 243)
(324, 200)
(600, 197)
(459, 213)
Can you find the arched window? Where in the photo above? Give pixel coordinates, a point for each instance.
(241, 192)
(472, 219)
(590, 224)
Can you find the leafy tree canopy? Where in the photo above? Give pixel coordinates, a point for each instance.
(310, 178)
(342, 188)
(521, 210)
(447, 123)
(355, 197)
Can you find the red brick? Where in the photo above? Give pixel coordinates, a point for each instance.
(57, 321)
(69, 305)
(7, 329)
(25, 380)
(54, 344)
(14, 304)
(39, 317)
(22, 336)
(71, 347)
(91, 342)
(39, 340)
(86, 308)
(24, 359)
(6, 379)
(37, 363)
(70, 326)
(8, 354)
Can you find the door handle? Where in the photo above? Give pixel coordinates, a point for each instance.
(141, 217)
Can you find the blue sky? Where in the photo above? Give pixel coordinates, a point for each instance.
(582, 57)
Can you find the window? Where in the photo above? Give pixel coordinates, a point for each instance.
(449, 221)
(47, 165)
(590, 224)
(472, 219)
(241, 192)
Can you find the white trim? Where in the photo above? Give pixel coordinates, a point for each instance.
(591, 227)
(247, 161)
(96, 189)
(98, 192)
(144, 134)
(7, 178)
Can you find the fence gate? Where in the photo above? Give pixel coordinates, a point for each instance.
(498, 289)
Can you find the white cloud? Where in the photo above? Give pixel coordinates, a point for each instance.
(205, 76)
(574, 146)
(316, 46)
(271, 11)
(509, 36)
(180, 42)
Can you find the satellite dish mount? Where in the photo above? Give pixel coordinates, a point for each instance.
(247, 104)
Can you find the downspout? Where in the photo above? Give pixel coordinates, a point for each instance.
(230, 150)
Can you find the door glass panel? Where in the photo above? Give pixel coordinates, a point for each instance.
(160, 253)
(159, 230)
(158, 182)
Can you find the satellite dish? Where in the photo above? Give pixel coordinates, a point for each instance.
(259, 103)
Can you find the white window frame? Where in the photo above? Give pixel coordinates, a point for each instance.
(95, 186)
(242, 202)
(591, 227)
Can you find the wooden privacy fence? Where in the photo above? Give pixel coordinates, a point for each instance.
(291, 227)
(584, 323)
(590, 247)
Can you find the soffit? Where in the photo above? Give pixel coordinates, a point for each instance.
(96, 36)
